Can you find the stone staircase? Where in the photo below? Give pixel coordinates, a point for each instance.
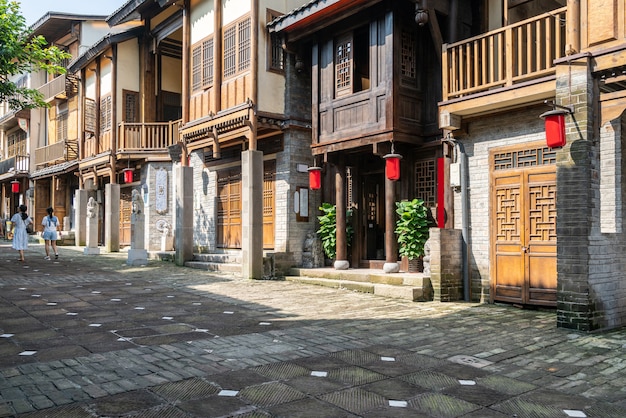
(409, 286)
(225, 261)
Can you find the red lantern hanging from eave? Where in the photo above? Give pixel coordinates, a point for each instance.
(555, 128)
(392, 166)
(128, 175)
(315, 178)
(15, 186)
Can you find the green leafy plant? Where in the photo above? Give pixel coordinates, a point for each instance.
(412, 227)
(328, 229)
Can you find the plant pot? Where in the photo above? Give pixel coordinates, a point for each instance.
(416, 265)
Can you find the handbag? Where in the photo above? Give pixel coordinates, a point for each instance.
(29, 228)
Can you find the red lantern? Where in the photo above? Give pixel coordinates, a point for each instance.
(315, 178)
(15, 186)
(128, 175)
(392, 166)
(555, 127)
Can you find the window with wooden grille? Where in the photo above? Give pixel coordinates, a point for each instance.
(408, 58)
(106, 113)
(16, 143)
(426, 181)
(276, 55)
(352, 62)
(343, 66)
(90, 115)
(131, 106)
(202, 64)
(61, 122)
(237, 51)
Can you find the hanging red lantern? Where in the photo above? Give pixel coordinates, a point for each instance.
(128, 175)
(392, 166)
(555, 127)
(15, 186)
(315, 178)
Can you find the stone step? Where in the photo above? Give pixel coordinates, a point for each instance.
(214, 266)
(421, 291)
(227, 257)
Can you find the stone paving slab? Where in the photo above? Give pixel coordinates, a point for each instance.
(89, 336)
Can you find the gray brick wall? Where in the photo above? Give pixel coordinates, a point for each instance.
(446, 274)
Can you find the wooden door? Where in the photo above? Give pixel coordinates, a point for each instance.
(126, 209)
(524, 235)
(269, 182)
(229, 208)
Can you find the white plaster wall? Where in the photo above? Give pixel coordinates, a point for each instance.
(106, 77)
(234, 9)
(127, 71)
(202, 20)
(172, 77)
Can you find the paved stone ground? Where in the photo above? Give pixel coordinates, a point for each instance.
(89, 336)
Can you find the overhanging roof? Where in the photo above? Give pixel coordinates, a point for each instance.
(316, 15)
(61, 168)
(55, 25)
(101, 45)
(133, 9)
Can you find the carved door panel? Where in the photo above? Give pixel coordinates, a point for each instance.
(269, 182)
(229, 209)
(126, 209)
(524, 236)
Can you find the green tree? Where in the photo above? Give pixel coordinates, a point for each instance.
(22, 53)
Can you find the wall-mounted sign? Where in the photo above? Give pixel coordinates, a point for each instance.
(160, 200)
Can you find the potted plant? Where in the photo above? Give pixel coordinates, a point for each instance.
(328, 229)
(412, 228)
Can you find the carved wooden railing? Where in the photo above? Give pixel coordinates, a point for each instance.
(53, 88)
(520, 52)
(61, 151)
(150, 136)
(15, 164)
(97, 145)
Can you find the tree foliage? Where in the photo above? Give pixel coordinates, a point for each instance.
(22, 53)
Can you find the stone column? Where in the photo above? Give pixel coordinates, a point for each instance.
(112, 217)
(183, 234)
(80, 216)
(91, 220)
(252, 214)
(137, 255)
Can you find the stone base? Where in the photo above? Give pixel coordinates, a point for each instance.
(137, 257)
(91, 251)
(167, 243)
(391, 267)
(342, 265)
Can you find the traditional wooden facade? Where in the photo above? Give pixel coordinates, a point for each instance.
(546, 223)
(375, 87)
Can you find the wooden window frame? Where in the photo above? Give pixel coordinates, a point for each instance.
(133, 107)
(202, 59)
(106, 113)
(237, 47)
(275, 52)
(344, 61)
(16, 143)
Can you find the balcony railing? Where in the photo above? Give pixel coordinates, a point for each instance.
(151, 136)
(61, 151)
(504, 57)
(15, 164)
(97, 145)
(54, 88)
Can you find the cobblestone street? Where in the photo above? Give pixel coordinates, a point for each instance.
(89, 336)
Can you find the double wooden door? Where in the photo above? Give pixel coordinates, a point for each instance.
(523, 215)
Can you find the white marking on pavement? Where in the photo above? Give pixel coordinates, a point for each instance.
(398, 404)
(319, 374)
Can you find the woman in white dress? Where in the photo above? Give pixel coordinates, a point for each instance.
(20, 236)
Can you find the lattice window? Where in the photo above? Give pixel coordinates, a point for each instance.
(426, 181)
(207, 63)
(105, 113)
(16, 143)
(508, 214)
(542, 213)
(196, 68)
(237, 47)
(276, 55)
(524, 158)
(343, 66)
(202, 65)
(131, 106)
(61, 122)
(408, 66)
(90, 115)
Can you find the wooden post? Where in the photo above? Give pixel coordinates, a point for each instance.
(341, 257)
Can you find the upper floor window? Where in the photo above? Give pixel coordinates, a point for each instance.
(16, 144)
(106, 113)
(202, 65)
(131, 106)
(237, 51)
(275, 53)
(62, 117)
(352, 62)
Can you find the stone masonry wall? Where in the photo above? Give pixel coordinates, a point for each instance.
(446, 259)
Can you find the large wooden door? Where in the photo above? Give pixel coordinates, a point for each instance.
(229, 208)
(523, 214)
(126, 210)
(269, 182)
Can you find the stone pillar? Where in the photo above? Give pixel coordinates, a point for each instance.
(183, 234)
(341, 257)
(80, 215)
(91, 221)
(445, 264)
(112, 217)
(575, 196)
(137, 255)
(252, 214)
(391, 243)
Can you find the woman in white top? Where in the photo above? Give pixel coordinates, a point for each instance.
(50, 225)
(20, 236)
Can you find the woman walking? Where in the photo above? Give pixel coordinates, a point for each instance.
(50, 225)
(20, 236)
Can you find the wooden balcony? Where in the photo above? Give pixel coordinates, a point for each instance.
(97, 145)
(55, 89)
(61, 151)
(152, 136)
(15, 164)
(517, 55)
